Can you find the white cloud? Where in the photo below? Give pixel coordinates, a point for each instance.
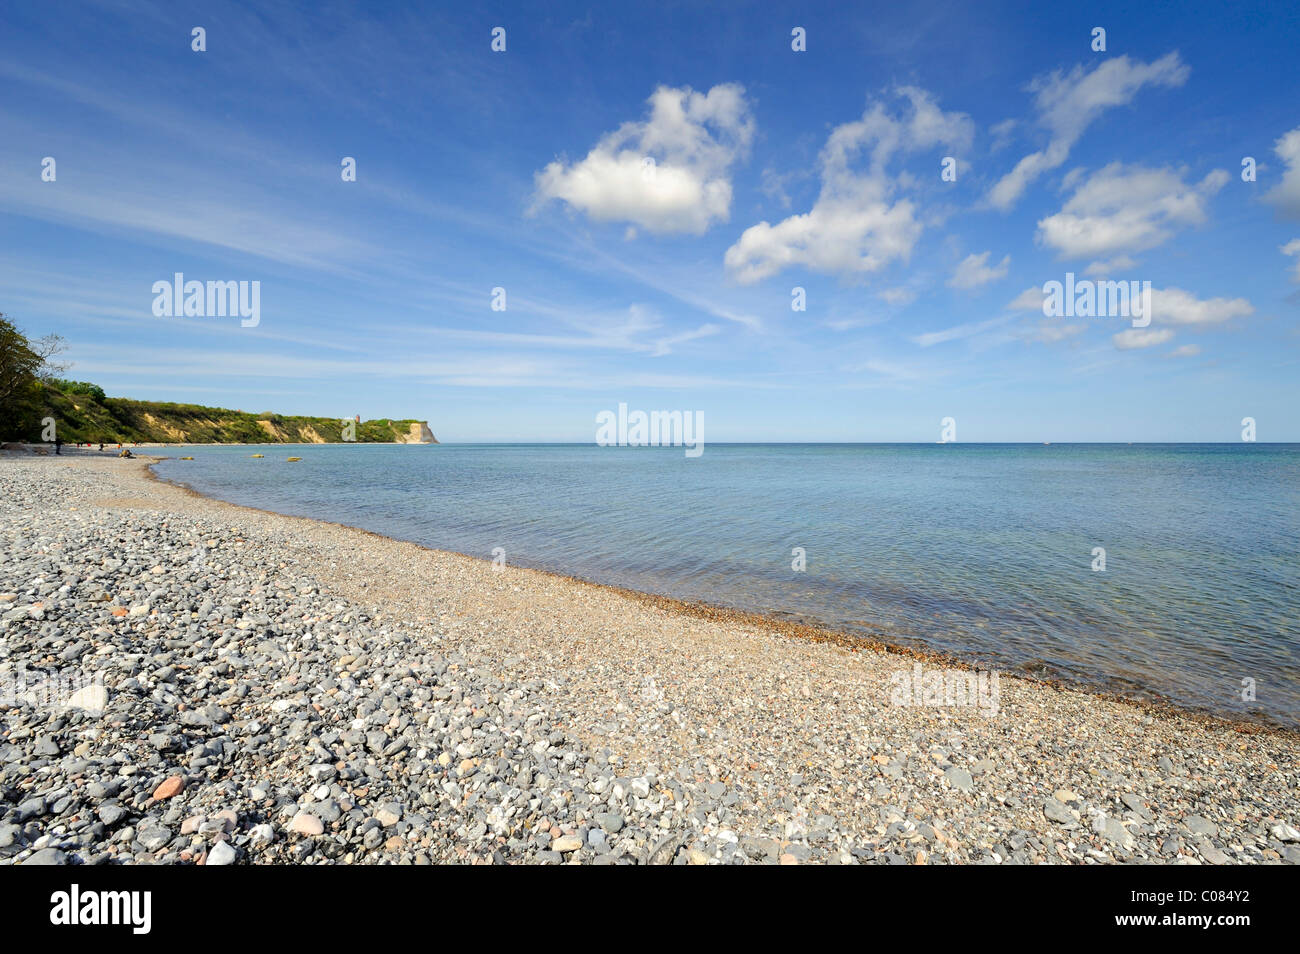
(1031, 299)
(974, 271)
(1121, 208)
(774, 185)
(1293, 248)
(1120, 263)
(1002, 134)
(1169, 306)
(1173, 306)
(1185, 351)
(669, 173)
(901, 295)
(1285, 196)
(1049, 331)
(1068, 103)
(858, 225)
(1132, 338)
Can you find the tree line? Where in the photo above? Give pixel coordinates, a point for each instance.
(27, 369)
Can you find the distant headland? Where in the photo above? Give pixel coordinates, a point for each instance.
(83, 413)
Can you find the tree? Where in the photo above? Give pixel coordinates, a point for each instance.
(78, 387)
(23, 364)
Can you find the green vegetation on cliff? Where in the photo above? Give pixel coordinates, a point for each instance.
(82, 413)
(31, 396)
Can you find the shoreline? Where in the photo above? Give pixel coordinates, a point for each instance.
(1159, 705)
(324, 694)
(91, 449)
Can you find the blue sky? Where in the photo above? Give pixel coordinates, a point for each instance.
(668, 287)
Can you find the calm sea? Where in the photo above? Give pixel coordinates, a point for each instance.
(985, 551)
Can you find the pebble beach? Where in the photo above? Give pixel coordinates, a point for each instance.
(188, 681)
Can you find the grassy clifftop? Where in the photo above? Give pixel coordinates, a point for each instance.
(83, 413)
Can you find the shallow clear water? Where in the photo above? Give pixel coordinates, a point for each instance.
(985, 551)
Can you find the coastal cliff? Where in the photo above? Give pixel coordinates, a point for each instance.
(418, 434)
(83, 413)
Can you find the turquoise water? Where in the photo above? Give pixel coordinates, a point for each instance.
(981, 550)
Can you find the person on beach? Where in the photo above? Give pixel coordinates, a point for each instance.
(58, 445)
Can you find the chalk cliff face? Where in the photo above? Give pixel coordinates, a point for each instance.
(419, 434)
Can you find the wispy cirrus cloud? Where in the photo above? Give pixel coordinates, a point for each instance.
(968, 330)
(260, 226)
(457, 369)
(1050, 331)
(1068, 103)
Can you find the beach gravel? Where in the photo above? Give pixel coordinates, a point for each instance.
(185, 681)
